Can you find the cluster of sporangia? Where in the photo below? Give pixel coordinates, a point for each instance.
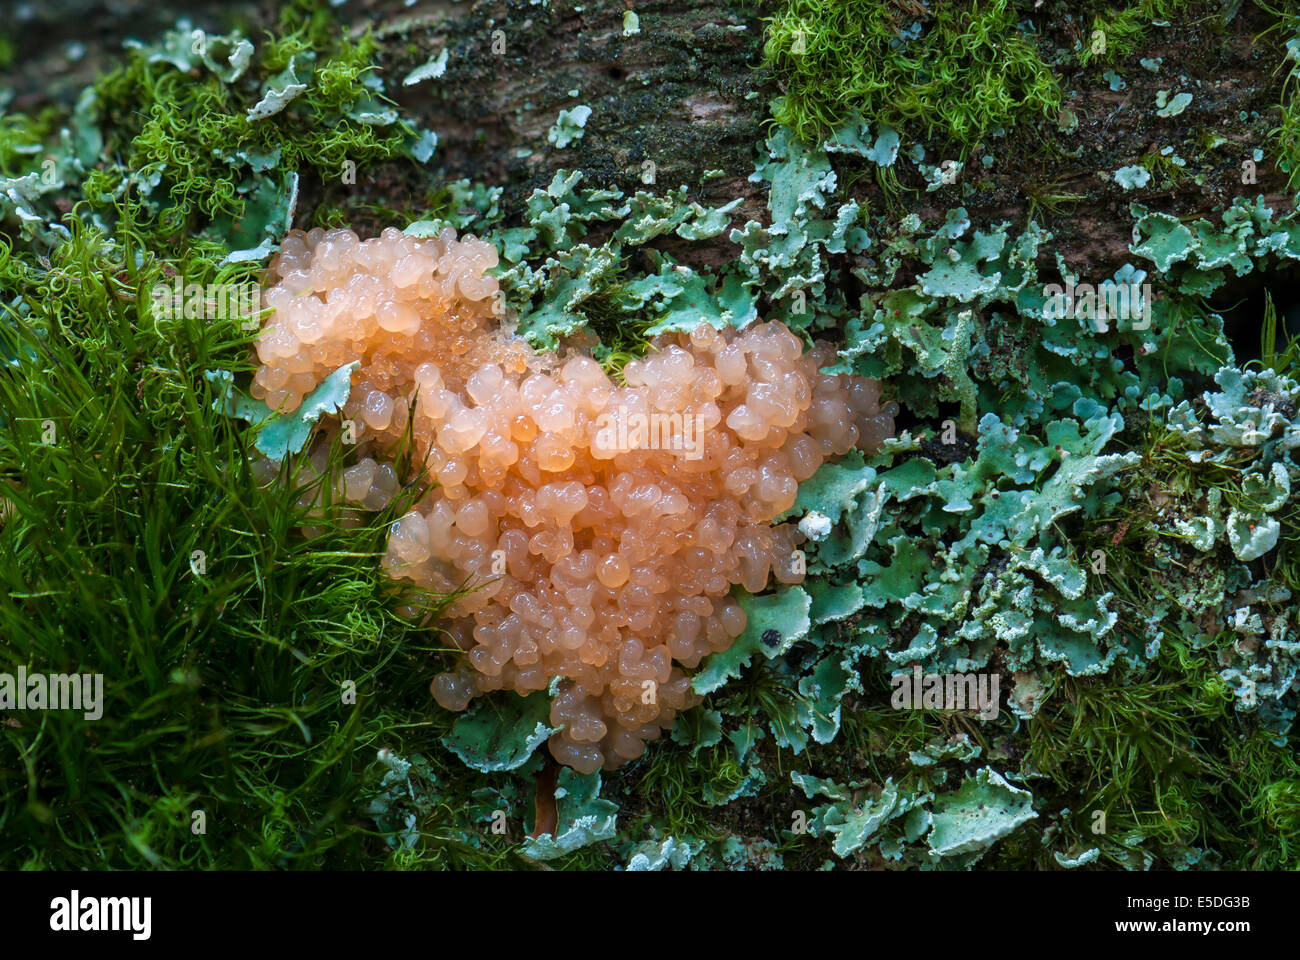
(594, 529)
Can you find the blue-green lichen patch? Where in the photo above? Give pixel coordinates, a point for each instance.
(582, 818)
(775, 623)
(500, 734)
(963, 554)
(557, 284)
(964, 563)
(917, 819)
(972, 818)
(569, 127)
(282, 434)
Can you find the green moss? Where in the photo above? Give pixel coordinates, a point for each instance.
(226, 679)
(835, 59)
(1117, 33)
(1162, 167)
(100, 581)
(621, 338)
(1287, 133)
(1046, 200)
(180, 138)
(1281, 356)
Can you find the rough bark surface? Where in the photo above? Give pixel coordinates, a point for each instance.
(683, 93)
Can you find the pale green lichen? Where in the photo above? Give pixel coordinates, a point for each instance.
(569, 126)
(282, 434)
(1131, 178)
(583, 818)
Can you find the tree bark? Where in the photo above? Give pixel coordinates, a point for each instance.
(682, 93)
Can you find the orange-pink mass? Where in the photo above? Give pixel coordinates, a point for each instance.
(600, 527)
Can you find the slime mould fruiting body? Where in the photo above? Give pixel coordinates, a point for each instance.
(590, 530)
